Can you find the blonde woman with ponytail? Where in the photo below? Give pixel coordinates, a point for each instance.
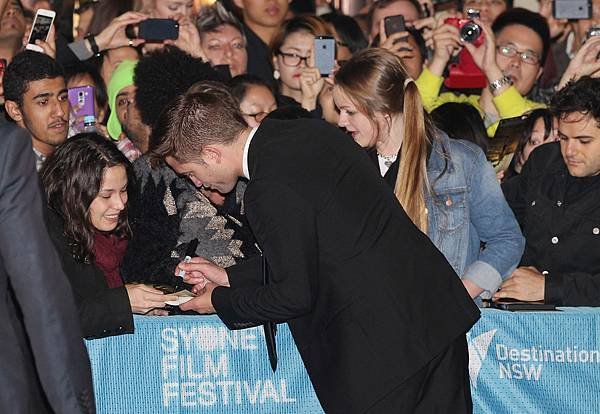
(446, 187)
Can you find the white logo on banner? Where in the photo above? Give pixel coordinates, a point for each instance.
(478, 349)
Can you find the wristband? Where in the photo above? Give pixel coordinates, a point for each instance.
(500, 83)
(92, 40)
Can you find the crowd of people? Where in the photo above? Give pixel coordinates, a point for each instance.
(127, 192)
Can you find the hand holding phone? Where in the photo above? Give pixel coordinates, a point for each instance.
(82, 106)
(40, 29)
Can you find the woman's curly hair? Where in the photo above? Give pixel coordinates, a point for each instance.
(72, 177)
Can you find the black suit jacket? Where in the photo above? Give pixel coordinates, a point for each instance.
(44, 364)
(368, 298)
(102, 311)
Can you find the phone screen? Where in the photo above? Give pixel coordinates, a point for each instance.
(325, 54)
(40, 28)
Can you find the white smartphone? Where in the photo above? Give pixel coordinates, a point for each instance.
(41, 28)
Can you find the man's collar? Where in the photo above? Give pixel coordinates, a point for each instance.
(245, 167)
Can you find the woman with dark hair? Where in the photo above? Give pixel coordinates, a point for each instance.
(539, 129)
(446, 187)
(461, 121)
(300, 83)
(85, 181)
(255, 96)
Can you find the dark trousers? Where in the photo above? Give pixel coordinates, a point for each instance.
(442, 386)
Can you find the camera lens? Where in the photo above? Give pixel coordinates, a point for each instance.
(470, 32)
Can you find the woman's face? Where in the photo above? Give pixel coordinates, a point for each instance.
(257, 104)
(165, 9)
(536, 139)
(359, 125)
(225, 46)
(110, 201)
(301, 45)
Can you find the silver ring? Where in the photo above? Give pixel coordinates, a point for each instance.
(130, 43)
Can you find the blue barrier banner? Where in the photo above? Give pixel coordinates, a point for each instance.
(543, 362)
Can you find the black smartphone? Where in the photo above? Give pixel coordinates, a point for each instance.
(572, 9)
(325, 54)
(520, 306)
(223, 71)
(157, 30)
(394, 24)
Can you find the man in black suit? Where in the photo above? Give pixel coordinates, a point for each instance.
(45, 367)
(377, 313)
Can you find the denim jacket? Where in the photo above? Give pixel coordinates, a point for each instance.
(467, 210)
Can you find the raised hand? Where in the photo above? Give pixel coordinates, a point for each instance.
(114, 36)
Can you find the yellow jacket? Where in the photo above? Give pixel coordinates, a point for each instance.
(509, 103)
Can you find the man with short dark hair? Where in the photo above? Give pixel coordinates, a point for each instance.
(36, 99)
(556, 199)
(377, 313)
(511, 57)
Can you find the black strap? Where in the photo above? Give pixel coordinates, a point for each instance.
(92, 40)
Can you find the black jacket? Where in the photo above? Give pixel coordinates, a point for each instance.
(44, 366)
(560, 218)
(102, 311)
(368, 298)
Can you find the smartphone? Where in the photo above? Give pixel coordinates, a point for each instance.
(394, 24)
(223, 71)
(82, 104)
(157, 30)
(514, 305)
(572, 9)
(40, 28)
(325, 54)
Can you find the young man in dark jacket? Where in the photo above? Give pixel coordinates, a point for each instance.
(556, 199)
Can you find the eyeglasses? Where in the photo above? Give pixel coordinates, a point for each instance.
(526, 56)
(258, 116)
(292, 59)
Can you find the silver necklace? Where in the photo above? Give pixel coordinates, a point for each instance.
(388, 160)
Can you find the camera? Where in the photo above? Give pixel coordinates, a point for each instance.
(464, 73)
(469, 30)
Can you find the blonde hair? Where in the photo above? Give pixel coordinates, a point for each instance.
(375, 80)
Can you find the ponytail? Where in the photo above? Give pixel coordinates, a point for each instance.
(411, 181)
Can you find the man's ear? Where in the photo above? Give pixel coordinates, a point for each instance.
(239, 3)
(13, 110)
(211, 154)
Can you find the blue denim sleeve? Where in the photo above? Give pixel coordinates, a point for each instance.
(496, 226)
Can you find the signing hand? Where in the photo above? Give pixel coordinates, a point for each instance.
(199, 271)
(144, 298)
(526, 283)
(201, 303)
